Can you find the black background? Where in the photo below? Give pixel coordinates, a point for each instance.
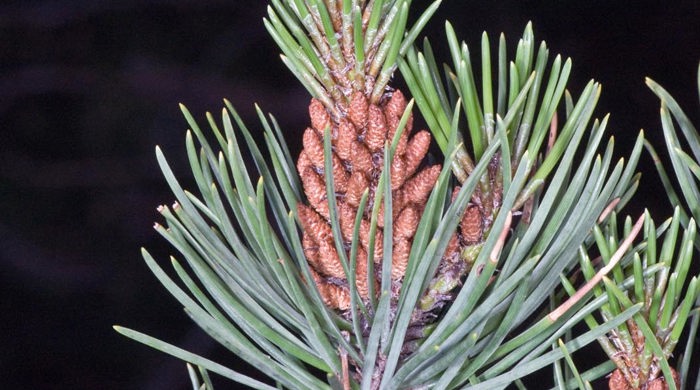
(87, 88)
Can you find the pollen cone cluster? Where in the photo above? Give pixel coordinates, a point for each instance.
(358, 147)
(345, 54)
(618, 381)
(464, 245)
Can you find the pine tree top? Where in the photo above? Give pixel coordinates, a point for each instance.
(338, 47)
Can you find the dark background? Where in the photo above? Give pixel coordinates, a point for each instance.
(87, 88)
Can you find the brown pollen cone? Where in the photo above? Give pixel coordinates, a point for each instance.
(617, 381)
(358, 142)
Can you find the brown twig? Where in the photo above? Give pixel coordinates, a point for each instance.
(616, 257)
(344, 367)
